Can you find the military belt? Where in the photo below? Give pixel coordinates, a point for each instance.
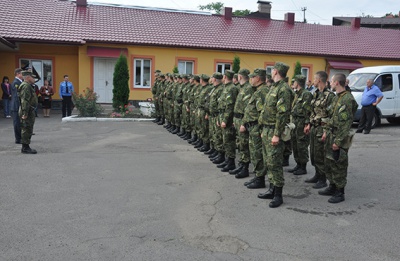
(238, 115)
(268, 126)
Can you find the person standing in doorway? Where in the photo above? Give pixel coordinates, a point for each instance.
(5, 86)
(46, 91)
(66, 90)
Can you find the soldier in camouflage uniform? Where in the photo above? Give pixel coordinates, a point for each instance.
(250, 125)
(185, 123)
(195, 113)
(273, 118)
(288, 150)
(27, 107)
(172, 91)
(322, 98)
(155, 98)
(226, 105)
(160, 99)
(214, 119)
(203, 122)
(167, 100)
(244, 95)
(212, 152)
(301, 110)
(178, 104)
(337, 138)
(192, 121)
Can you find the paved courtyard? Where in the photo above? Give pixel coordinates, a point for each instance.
(132, 191)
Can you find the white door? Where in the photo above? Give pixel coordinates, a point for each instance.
(385, 82)
(103, 78)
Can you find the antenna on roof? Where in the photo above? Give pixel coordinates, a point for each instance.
(304, 9)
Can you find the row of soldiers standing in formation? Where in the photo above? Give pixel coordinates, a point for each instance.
(256, 113)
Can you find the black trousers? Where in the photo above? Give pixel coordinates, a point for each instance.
(66, 106)
(367, 114)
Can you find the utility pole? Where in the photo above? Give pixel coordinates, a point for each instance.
(304, 11)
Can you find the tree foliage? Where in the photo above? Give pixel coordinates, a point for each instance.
(121, 83)
(236, 64)
(218, 6)
(175, 69)
(241, 12)
(297, 69)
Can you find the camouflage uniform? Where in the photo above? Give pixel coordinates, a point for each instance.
(341, 112)
(301, 110)
(194, 108)
(155, 98)
(245, 93)
(204, 124)
(288, 150)
(178, 103)
(226, 106)
(29, 102)
(213, 117)
(319, 114)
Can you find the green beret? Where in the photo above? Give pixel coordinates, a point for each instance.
(205, 77)
(300, 79)
(218, 75)
(162, 75)
(258, 72)
(196, 78)
(282, 68)
(244, 72)
(157, 71)
(185, 76)
(28, 73)
(229, 73)
(235, 76)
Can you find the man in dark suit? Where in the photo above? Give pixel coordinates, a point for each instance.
(15, 104)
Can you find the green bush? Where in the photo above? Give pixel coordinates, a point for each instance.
(121, 83)
(86, 103)
(236, 64)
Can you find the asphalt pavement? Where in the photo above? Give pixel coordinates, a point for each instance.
(132, 191)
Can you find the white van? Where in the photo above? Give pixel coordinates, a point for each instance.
(387, 78)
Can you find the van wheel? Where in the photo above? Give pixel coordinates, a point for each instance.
(393, 120)
(376, 120)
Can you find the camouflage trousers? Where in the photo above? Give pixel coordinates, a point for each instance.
(317, 150)
(217, 135)
(193, 119)
(156, 107)
(287, 151)
(229, 139)
(204, 127)
(27, 128)
(256, 150)
(185, 118)
(300, 143)
(242, 140)
(160, 107)
(336, 163)
(167, 109)
(273, 157)
(177, 114)
(171, 112)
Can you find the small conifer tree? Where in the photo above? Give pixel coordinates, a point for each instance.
(175, 70)
(121, 83)
(297, 69)
(236, 64)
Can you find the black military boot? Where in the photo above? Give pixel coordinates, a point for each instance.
(237, 170)
(193, 139)
(198, 144)
(269, 194)
(213, 155)
(337, 197)
(244, 172)
(188, 136)
(27, 150)
(223, 164)
(294, 169)
(205, 147)
(220, 158)
(250, 181)
(177, 130)
(314, 179)
(277, 200)
(210, 151)
(302, 170)
(259, 182)
(285, 162)
(167, 125)
(321, 183)
(329, 191)
(230, 165)
(172, 128)
(182, 132)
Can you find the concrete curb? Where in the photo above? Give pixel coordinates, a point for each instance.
(75, 118)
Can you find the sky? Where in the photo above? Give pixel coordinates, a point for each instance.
(316, 11)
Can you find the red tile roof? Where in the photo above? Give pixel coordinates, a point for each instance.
(62, 21)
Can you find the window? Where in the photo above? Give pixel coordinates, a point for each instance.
(304, 72)
(384, 82)
(221, 67)
(185, 67)
(269, 69)
(43, 69)
(142, 73)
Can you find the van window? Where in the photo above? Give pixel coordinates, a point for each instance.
(358, 81)
(385, 82)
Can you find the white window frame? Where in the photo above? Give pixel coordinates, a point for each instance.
(42, 77)
(141, 81)
(269, 69)
(223, 67)
(185, 66)
(308, 72)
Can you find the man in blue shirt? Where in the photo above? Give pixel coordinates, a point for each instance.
(371, 97)
(66, 90)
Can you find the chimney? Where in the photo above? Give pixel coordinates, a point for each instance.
(81, 2)
(356, 22)
(227, 13)
(289, 18)
(264, 7)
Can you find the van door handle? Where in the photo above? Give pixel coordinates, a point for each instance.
(389, 98)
